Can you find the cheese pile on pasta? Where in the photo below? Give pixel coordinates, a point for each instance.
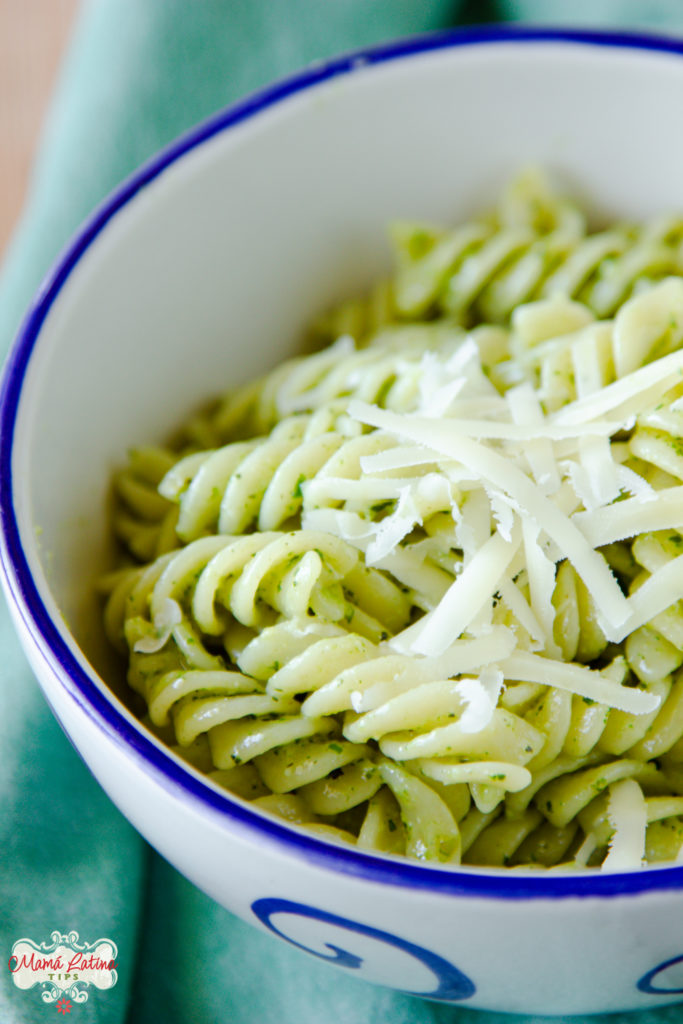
(421, 591)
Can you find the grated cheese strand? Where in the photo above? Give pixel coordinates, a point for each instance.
(584, 682)
(655, 376)
(627, 813)
(525, 408)
(492, 431)
(463, 655)
(662, 511)
(541, 585)
(663, 589)
(518, 605)
(476, 585)
(598, 463)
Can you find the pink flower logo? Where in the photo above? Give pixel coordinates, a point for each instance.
(64, 1006)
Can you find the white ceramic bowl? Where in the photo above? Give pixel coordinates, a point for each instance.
(199, 272)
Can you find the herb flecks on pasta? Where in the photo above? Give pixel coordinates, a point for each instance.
(422, 591)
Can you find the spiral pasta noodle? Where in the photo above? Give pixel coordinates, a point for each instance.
(420, 591)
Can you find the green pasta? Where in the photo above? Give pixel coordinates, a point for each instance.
(422, 590)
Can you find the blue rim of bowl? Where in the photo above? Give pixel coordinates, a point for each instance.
(54, 650)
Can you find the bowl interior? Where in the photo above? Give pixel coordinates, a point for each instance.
(207, 274)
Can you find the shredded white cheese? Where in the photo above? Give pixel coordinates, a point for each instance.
(525, 408)
(541, 571)
(584, 682)
(481, 696)
(627, 813)
(477, 583)
(390, 531)
(501, 473)
(661, 590)
(645, 384)
(656, 510)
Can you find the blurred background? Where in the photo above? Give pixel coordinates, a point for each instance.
(33, 35)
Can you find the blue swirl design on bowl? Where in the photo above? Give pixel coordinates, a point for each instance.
(452, 986)
(646, 982)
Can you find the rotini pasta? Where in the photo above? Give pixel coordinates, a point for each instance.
(422, 590)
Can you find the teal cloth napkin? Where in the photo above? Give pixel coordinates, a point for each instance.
(139, 72)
